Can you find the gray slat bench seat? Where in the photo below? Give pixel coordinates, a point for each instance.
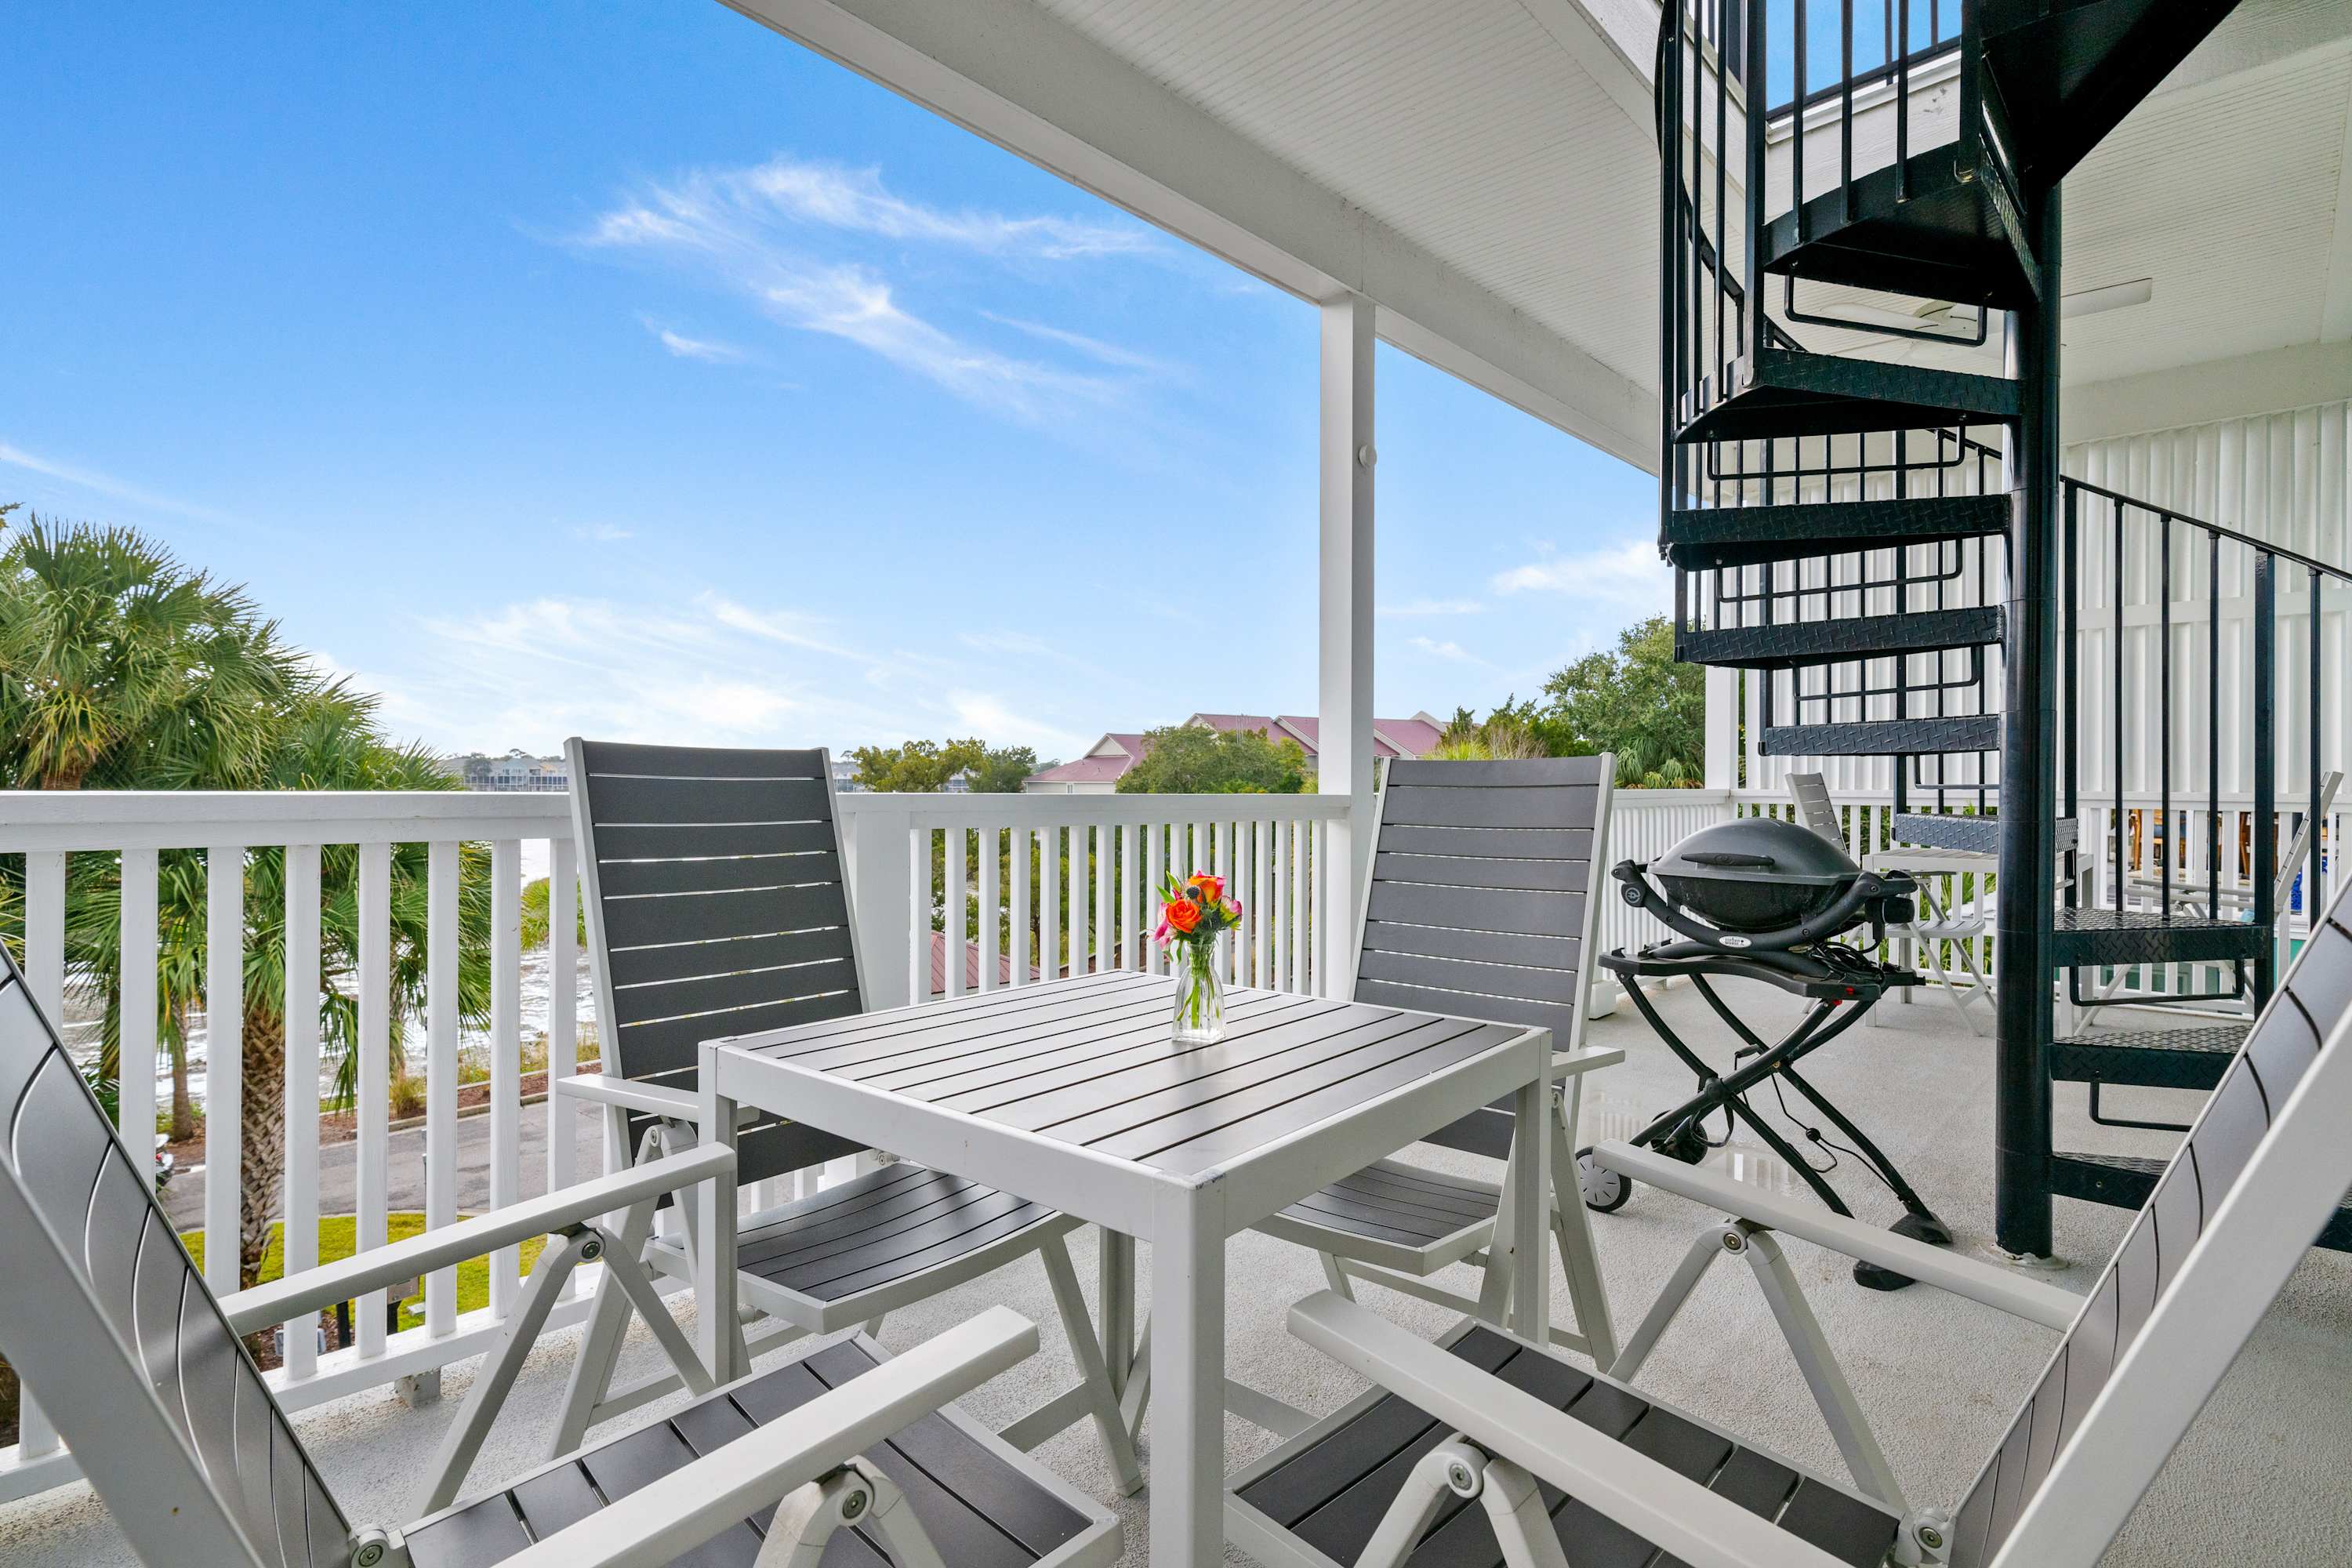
(1330, 1487)
(718, 904)
(980, 1502)
(1481, 905)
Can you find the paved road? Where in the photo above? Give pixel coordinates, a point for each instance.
(184, 1199)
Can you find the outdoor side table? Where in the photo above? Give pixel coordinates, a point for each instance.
(1071, 1093)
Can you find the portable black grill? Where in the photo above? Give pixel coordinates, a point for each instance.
(1762, 900)
(1758, 885)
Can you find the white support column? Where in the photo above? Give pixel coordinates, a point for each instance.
(1722, 728)
(1344, 752)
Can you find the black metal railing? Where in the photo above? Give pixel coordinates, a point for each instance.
(2151, 848)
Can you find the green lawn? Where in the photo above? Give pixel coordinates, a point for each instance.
(336, 1236)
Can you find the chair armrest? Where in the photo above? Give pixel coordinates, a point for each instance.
(314, 1289)
(1567, 1064)
(651, 1099)
(660, 1523)
(1939, 1266)
(1659, 1505)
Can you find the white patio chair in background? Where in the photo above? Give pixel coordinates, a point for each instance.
(1470, 1431)
(717, 904)
(142, 1372)
(1963, 926)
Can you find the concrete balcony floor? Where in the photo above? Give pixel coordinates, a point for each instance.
(2259, 1480)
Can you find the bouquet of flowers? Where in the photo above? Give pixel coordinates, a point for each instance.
(1193, 913)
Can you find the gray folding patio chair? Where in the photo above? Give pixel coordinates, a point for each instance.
(717, 904)
(1563, 1466)
(1482, 904)
(143, 1372)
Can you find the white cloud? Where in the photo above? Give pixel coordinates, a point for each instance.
(1630, 574)
(1027, 644)
(855, 199)
(703, 349)
(1414, 608)
(746, 229)
(984, 714)
(1093, 348)
(601, 532)
(106, 485)
(702, 668)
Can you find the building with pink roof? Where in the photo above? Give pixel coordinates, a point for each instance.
(1097, 771)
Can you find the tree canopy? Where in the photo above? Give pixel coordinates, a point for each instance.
(1192, 759)
(925, 767)
(121, 668)
(1633, 700)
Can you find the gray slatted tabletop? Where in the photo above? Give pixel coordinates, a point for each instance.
(1072, 1094)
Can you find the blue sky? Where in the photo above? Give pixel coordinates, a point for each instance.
(630, 371)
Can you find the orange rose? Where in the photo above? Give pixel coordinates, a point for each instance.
(1184, 915)
(1212, 889)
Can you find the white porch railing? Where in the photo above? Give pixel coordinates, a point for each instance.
(1072, 882)
(1082, 898)
(1069, 881)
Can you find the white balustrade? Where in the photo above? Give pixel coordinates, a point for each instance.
(1062, 882)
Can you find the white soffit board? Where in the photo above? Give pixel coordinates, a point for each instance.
(1460, 165)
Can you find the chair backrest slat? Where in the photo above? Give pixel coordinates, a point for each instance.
(1811, 792)
(717, 904)
(2240, 1115)
(1481, 902)
(114, 1331)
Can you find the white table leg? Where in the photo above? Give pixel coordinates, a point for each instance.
(1188, 1375)
(1114, 1278)
(1532, 1200)
(719, 1329)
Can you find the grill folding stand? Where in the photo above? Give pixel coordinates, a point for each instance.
(1842, 982)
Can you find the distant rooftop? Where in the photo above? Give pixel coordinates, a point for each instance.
(1120, 750)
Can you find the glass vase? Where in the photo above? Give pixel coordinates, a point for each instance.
(1199, 1018)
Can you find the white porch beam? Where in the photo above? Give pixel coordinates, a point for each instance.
(1344, 733)
(1006, 70)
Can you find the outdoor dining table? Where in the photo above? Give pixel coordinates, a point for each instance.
(1073, 1093)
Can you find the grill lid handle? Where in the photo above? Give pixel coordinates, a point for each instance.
(1727, 858)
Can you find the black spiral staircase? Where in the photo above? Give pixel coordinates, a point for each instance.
(1875, 526)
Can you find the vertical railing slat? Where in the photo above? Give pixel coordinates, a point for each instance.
(1049, 903)
(1260, 913)
(958, 909)
(988, 838)
(45, 977)
(1155, 876)
(1017, 856)
(919, 979)
(1106, 918)
(1278, 910)
(1080, 877)
(506, 1058)
(301, 1174)
(563, 1018)
(441, 1046)
(1129, 954)
(373, 1084)
(135, 1071)
(224, 1064)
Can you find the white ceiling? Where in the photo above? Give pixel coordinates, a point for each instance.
(1467, 127)
(1484, 170)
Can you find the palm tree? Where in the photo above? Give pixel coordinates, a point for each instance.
(114, 659)
(120, 669)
